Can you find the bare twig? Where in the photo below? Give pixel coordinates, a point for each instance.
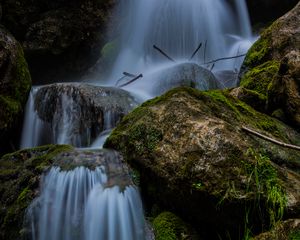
(126, 74)
(224, 58)
(132, 80)
(194, 53)
(271, 139)
(163, 53)
(212, 67)
(205, 45)
(129, 74)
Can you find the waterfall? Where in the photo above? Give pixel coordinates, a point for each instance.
(33, 125)
(77, 205)
(178, 27)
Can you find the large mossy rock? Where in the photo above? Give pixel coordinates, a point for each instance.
(61, 39)
(15, 83)
(19, 181)
(272, 68)
(287, 230)
(194, 159)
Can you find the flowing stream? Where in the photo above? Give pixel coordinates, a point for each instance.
(80, 204)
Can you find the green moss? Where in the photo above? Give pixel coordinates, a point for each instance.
(259, 78)
(19, 179)
(109, 51)
(167, 226)
(258, 52)
(9, 110)
(294, 235)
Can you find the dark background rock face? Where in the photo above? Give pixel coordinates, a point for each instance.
(264, 11)
(61, 39)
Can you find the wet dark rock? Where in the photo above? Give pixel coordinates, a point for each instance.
(86, 109)
(196, 161)
(61, 39)
(272, 67)
(183, 75)
(287, 230)
(21, 172)
(15, 83)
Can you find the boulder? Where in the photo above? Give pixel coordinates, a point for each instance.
(21, 172)
(195, 160)
(61, 39)
(287, 230)
(272, 67)
(180, 75)
(15, 83)
(19, 181)
(77, 113)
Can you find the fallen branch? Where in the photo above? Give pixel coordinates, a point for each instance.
(129, 74)
(194, 53)
(204, 54)
(224, 58)
(163, 53)
(271, 139)
(132, 80)
(126, 74)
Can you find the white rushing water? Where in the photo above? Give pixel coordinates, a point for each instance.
(178, 27)
(75, 205)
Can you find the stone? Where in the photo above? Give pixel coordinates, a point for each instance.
(15, 83)
(81, 111)
(21, 173)
(272, 67)
(287, 230)
(196, 161)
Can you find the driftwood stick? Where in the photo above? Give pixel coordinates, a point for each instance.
(224, 58)
(205, 45)
(119, 80)
(271, 139)
(163, 53)
(126, 74)
(132, 80)
(197, 49)
(129, 74)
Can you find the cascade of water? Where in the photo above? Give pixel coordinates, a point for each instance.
(32, 133)
(75, 205)
(178, 27)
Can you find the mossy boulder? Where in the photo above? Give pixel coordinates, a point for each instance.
(15, 83)
(272, 67)
(61, 39)
(286, 230)
(167, 226)
(195, 160)
(19, 181)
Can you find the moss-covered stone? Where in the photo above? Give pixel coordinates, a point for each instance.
(190, 151)
(15, 83)
(167, 226)
(271, 67)
(259, 78)
(19, 181)
(286, 230)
